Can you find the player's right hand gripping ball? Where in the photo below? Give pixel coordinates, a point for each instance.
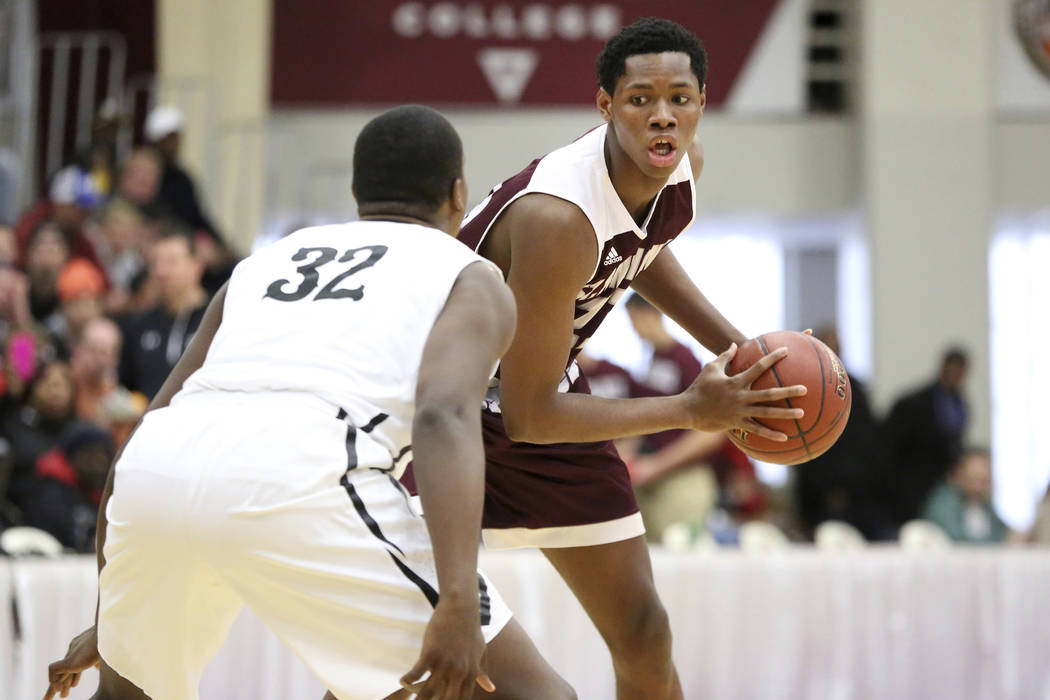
(826, 403)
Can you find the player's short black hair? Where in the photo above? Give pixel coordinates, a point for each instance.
(649, 35)
(409, 155)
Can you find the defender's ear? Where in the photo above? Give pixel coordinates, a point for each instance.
(458, 200)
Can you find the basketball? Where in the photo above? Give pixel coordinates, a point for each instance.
(826, 403)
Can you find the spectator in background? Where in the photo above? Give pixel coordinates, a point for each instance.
(80, 288)
(139, 182)
(845, 483)
(72, 197)
(178, 195)
(69, 482)
(962, 504)
(122, 244)
(155, 339)
(47, 254)
(101, 158)
(21, 338)
(672, 471)
(923, 434)
(100, 399)
(36, 426)
(610, 380)
(177, 191)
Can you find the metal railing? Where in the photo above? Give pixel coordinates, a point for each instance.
(98, 53)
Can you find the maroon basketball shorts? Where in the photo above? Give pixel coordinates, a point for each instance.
(560, 495)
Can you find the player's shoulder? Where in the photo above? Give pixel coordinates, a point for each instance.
(548, 212)
(480, 285)
(584, 150)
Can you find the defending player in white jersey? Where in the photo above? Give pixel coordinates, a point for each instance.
(265, 472)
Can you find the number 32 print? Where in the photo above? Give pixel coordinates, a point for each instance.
(311, 276)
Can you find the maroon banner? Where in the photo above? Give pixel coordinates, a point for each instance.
(491, 52)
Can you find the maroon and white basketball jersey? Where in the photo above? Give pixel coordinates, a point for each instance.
(577, 173)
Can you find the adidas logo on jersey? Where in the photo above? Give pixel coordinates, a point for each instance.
(613, 257)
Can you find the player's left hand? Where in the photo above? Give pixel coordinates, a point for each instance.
(453, 652)
(82, 654)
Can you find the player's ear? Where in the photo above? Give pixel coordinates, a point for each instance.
(458, 198)
(353, 192)
(703, 97)
(604, 102)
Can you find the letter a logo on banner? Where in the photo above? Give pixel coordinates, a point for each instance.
(508, 71)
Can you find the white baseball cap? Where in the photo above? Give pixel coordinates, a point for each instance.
(163, 120)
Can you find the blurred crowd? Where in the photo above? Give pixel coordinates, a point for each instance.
(103, 282)
(884, 473)
(105, 279)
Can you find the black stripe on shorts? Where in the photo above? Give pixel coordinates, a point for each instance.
(486, 604)
(370, 522)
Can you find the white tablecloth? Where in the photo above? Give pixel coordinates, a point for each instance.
(881, 623)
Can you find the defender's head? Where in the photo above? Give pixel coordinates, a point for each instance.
(408, 162)
(651, 91)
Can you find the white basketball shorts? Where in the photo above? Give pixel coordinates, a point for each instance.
(226, 500)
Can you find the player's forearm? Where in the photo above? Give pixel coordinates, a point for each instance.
(665, 285)
(449, 466)
(588, 418)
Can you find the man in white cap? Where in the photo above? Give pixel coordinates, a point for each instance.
(178, 194)
(164, 130)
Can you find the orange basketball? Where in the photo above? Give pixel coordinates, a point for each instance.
(826, 403)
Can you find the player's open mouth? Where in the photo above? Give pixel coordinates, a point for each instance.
(662, 152)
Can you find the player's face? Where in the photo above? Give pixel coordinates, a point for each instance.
(655, 110)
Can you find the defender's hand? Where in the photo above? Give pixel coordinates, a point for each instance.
(719, 402)
(453, 652)
(82, 654)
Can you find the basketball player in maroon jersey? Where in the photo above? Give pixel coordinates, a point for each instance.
(572, 232)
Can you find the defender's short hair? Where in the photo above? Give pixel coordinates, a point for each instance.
(649, 35)
(409, 154)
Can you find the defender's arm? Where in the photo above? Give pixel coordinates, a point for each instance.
(473, 330)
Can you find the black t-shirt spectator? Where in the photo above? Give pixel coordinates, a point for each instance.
(153, 342)
(178, 196)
